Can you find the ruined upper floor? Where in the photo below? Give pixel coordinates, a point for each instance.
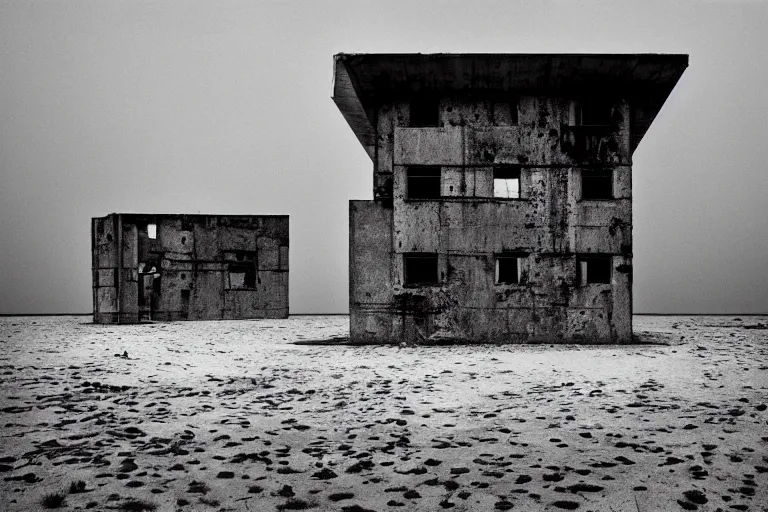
(471, 109)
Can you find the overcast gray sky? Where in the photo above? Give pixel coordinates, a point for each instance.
(224, 107)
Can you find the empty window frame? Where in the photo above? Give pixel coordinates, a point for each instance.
(242, 276)
(152, 231)
(420, 268)
(509, 268)
(506, 181)
(242, 255)
(187, 224)
(184, 304)
(423, 182)
(593, 112)
(597, 184)
(595, 269)
(505, 113)
(425, 112)
(149, 267)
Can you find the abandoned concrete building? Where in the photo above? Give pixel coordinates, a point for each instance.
(502, 188)
(189, 267)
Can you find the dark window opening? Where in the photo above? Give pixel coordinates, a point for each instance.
(425, 112)
(505, 113)
(149, 267)
(506, 181)
(593, 113)
(597, 184)
(508, 269)
(243, 256)
(420, 268)
(596, 269)
(242, 276)
(423, 182)
(187, 225)
(184, 304)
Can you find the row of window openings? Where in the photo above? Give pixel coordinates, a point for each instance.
(185, 226)
(421, 269)
(425, 112)
(152, 232)
(241, 276)
(424, 182)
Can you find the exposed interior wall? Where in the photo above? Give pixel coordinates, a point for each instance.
(196, 267)
(550, 227)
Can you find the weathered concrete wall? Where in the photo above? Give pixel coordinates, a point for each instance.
(550, 225)
(194, 257)
(370, 271)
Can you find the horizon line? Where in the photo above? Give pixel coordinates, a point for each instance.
(6, 315)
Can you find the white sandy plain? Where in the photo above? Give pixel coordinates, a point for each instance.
(232, 416)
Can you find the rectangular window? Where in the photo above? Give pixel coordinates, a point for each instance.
(423, 182)
(506, 181)
(595, 269)
(241, 255)
(597, 184)
(152, 231)
(184, 304)
(509, 268)
(242, 276)
(505, 113)
(593, 112)
(425, 112)
(420, 268)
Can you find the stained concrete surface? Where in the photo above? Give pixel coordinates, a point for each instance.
(443, 131)
(193, 267)
(231, 415)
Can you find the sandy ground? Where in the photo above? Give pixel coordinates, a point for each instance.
(232, 416)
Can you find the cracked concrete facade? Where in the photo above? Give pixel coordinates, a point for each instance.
(444, 252)
(189, 267)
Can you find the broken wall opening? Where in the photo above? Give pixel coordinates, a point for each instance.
(506, 181)
(597, 184)
(505, 113)
(594, 112)
(509, 268)
(420, 268)
(425, 112)
(595, 269)
(423, 181)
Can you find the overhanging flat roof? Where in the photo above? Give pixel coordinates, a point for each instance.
(134, 215)
(361, 81)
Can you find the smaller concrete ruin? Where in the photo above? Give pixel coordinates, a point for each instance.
(189, 267)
